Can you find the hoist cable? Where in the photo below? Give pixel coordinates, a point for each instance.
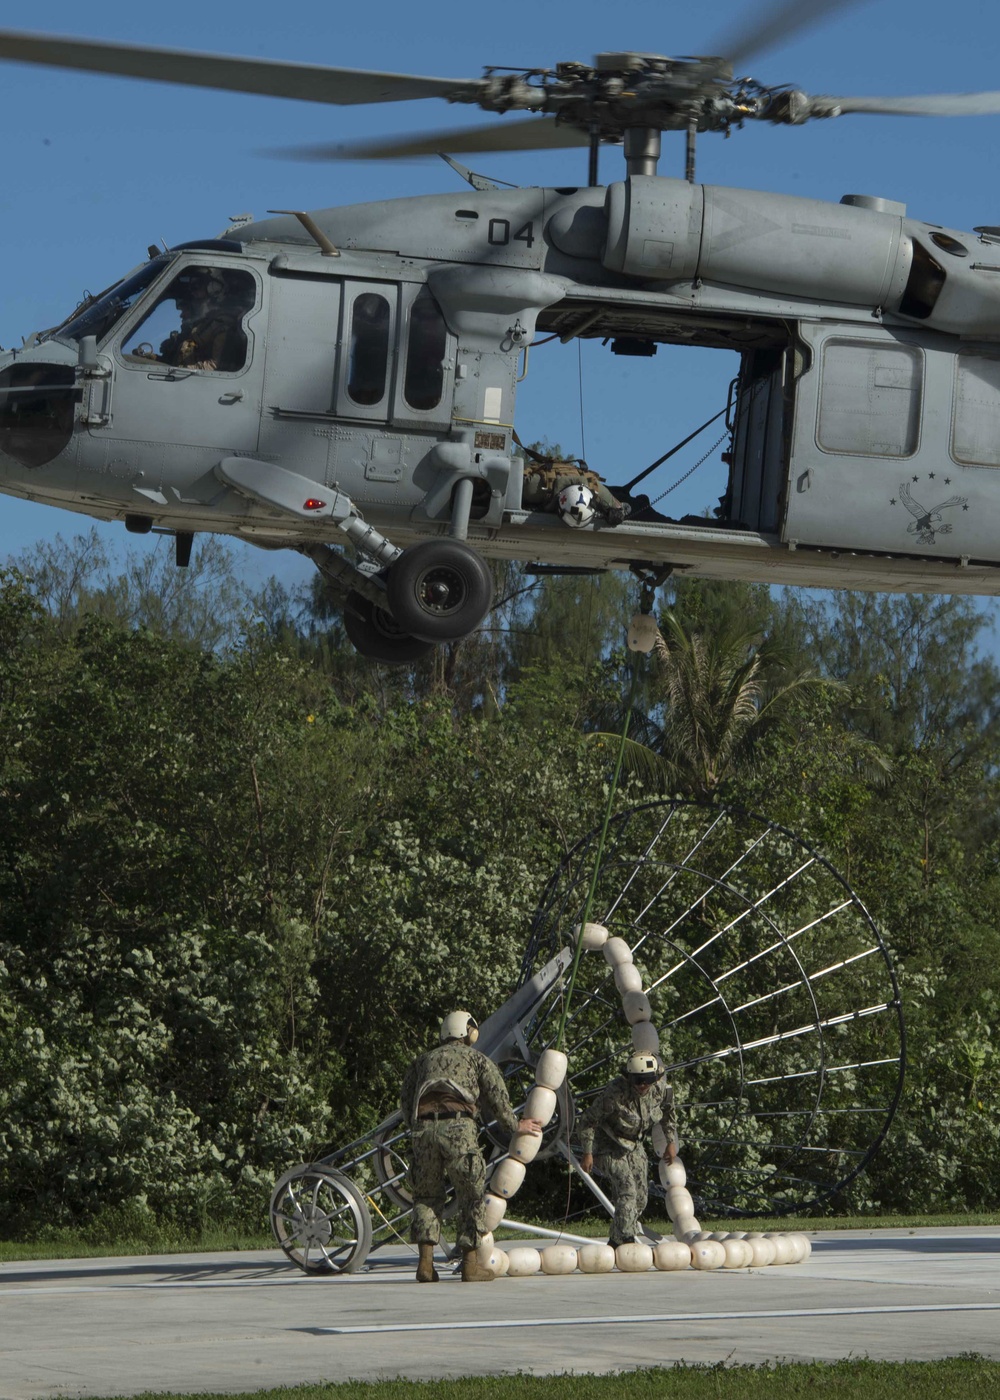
(595, 874)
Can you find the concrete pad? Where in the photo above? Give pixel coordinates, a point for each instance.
(232, 1322)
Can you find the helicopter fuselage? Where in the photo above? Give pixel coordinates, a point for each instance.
(369, 368)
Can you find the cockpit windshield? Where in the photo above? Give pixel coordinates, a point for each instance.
(98, 317)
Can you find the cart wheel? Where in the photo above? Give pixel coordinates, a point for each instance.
(439, 590)
(773, 994)
(391, 1166)
(320, 1220)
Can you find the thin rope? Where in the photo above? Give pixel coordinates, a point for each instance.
(583, 435)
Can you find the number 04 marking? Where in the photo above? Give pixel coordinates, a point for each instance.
(499, 233)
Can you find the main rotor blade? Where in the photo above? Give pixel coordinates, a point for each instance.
(781, 21)
(532, 134)
(944, 104)
(262, 76)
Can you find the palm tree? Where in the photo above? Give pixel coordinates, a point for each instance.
(718, 694)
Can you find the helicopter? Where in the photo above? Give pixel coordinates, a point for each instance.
(342, 382)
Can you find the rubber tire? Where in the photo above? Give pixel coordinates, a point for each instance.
(375, 634)
(465, 572)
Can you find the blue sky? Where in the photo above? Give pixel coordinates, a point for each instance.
(95, 169)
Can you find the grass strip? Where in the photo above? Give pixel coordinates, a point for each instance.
(71, 1244)
(838, 1380)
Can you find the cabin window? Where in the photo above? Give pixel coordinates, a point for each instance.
(426, 345)
(975, 432)
(197, 322)
(870, 399)
(369, 349)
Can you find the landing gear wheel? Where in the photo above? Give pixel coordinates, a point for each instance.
(320, 1220)
(439, 590)
(376, 634)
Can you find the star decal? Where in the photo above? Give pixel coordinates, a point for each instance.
(965, 507)
(916, 478)
(930, 476)
(947, 481)
(892, 501)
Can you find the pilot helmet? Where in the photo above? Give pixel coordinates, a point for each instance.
(459, 1025)
(576, 505)
(643, 1069)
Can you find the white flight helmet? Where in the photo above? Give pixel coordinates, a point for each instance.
(459, 1025)
(576, 505)
(643, 1069)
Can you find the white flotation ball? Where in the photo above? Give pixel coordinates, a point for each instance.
(642, 633)
(523, 1260)
(617, 951)
(761, 1251)
(558, 1259)
(673, 1175)
(634, 1258)
(645, 1040)
(704, 1235)
(807, 1247)
(719, 1235)
(738, 1254)
(493, 1210)
(783, 1248)
(507, 1179)
(636, 1007)
(541, 1104)
(595, 1258)
(486, 1241)
(670, 1255)
(551, 1069)
(707, 1254)
(679, 1202)
(797, 1248)
(592, 936)
(689, 1236)
(737, 1235)
(498, 1262)
(628, 978)
(524, 1146)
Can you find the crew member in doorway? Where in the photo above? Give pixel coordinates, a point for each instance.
(547, 486)
(441, 1097)
(612, 1134)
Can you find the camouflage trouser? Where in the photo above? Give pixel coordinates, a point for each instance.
(444, 1151)
(628, 1186)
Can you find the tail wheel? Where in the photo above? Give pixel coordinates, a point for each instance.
(771, 988)
(321, 1221)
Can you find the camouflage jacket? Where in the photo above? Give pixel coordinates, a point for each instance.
(463, 1071)
(617, 1117)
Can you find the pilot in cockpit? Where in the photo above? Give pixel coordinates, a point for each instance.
(211, 304)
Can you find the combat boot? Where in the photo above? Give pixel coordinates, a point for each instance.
(474, 1270)
(426, 1272)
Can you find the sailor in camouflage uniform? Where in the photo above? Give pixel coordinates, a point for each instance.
(611, 1138)
(440, 1101)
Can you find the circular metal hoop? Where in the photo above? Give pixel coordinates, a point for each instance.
(320, 1220)
(771, 987)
